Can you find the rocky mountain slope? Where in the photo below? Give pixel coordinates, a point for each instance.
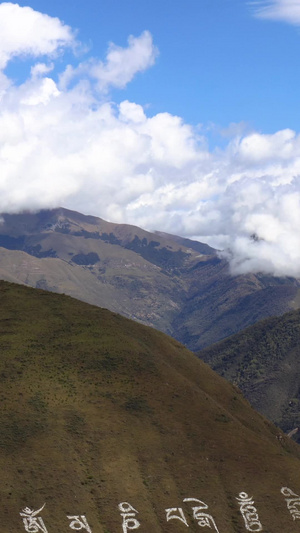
(264, 361)
(176, 285)
(108, 426)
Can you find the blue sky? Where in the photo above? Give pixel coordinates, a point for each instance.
(173, 115)
(217, 63)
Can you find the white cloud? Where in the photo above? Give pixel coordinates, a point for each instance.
(25, 32)
(62, 145)
(282, 10)
(40, 69)
(257, 147)
(123, 63)
(120, 66)
(115, 162)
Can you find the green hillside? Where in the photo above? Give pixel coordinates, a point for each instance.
(97, 410)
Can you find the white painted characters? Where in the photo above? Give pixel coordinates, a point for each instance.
(32, 522)
(129, 517)
(249, 512)
(292, 501)
(203, 519)
(79, 522)
(176, 513)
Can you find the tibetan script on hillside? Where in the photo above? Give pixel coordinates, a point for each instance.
(249, 512)
(292, 502)
(35, 524)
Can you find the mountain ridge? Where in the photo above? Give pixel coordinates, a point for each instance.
(181, 287)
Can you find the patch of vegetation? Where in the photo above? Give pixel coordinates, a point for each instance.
(12, 243)
(166, 259)
(137, 404)
(222, 417)
(103, 362)
(86, 259)
(37, 401)
(75, 423)
(21, 243)
(16, 430)
(37, 251)
(109, 238)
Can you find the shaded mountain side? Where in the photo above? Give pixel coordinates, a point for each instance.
(199, 247)
(218, 304)
(97, 410)
(173, 284)
(264, 361)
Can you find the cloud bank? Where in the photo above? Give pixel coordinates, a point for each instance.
(63, 143)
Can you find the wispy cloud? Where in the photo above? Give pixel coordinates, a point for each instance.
(282, 10)
(120, 65)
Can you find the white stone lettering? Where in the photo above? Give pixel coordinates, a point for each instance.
(79, 522)
(292, 501)
(171, 515)
(32, 522)
(203, 519)
(128, 514)
(249, 512)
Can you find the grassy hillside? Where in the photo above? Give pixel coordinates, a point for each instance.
(264, 361)
(97, 410)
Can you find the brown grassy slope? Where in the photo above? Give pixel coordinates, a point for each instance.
(98, 410)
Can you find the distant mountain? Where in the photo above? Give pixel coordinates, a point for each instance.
(108, 425)
(264, 361)
(176, 285)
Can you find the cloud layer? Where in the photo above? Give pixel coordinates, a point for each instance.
(65, 144)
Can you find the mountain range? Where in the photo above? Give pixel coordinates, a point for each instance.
(108, 425)
(179, 286)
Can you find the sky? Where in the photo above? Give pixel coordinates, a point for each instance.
(173, 115)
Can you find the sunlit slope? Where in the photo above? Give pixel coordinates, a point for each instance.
(97, 410)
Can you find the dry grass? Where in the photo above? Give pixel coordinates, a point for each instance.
(96, 410)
